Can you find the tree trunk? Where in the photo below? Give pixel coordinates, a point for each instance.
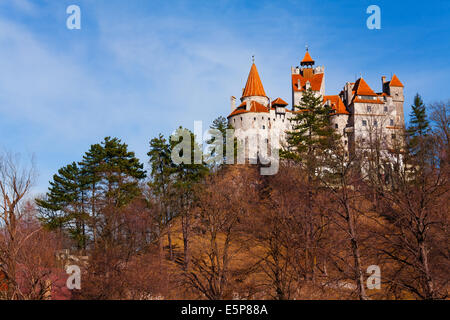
(169, 240)
(185, 227)
(429, 286)
(356, 257)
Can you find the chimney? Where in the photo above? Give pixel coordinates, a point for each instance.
(383, 84)
(233, 103)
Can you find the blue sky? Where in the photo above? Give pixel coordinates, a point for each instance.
(138, 68)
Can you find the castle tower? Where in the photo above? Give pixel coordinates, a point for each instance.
(254, 90)
(394, 88)
(253, 112)
(307, 76)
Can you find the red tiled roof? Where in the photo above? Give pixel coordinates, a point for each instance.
(254, 107)
(280, 102)
(254, 86)
(237, 111)
(336, 104)
(362, 88)
(356, 99)
(316, 82)
(257, 107)
(395, 82)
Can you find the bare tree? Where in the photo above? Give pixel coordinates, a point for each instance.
(226, 199)
(440, 116)
(15, 184)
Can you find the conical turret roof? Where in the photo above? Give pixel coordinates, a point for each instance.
(307, 57)
(254, 85)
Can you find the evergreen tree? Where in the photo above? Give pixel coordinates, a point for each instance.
(419, 125)
(120, 173)
(63, 207)
(310, 143)
(187, 177)
(85, 199)
(187, 174)
(161, 183)
(312, 134)
(161, 164)
(221, 124)
(90, 169)
(420, 150)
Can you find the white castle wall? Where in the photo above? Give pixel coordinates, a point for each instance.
(382, 119)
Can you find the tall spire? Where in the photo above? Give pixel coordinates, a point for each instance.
(307, 60)
(254, 85)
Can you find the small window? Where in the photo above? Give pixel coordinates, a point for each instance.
(393, 136)
(385, 109)
(369, 108)
(375, 123)
(345, 142)
(241, 118)
(262, 118)
(264, 127)
(254, 118)
(336, 126)
(391, 122)
(364, 123)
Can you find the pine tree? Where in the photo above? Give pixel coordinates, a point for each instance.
(161, 164)
(420, 153)
(309, 143)
(63, 207)
(121, 172)
(161, 183)
(90, 194)
(187, 174)
(90, 170)
(419, 125)
(187, 177)
(221, 124)
(312, 133)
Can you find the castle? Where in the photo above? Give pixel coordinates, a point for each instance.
(357, 109)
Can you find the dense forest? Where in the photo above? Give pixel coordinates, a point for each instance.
(314, 230)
